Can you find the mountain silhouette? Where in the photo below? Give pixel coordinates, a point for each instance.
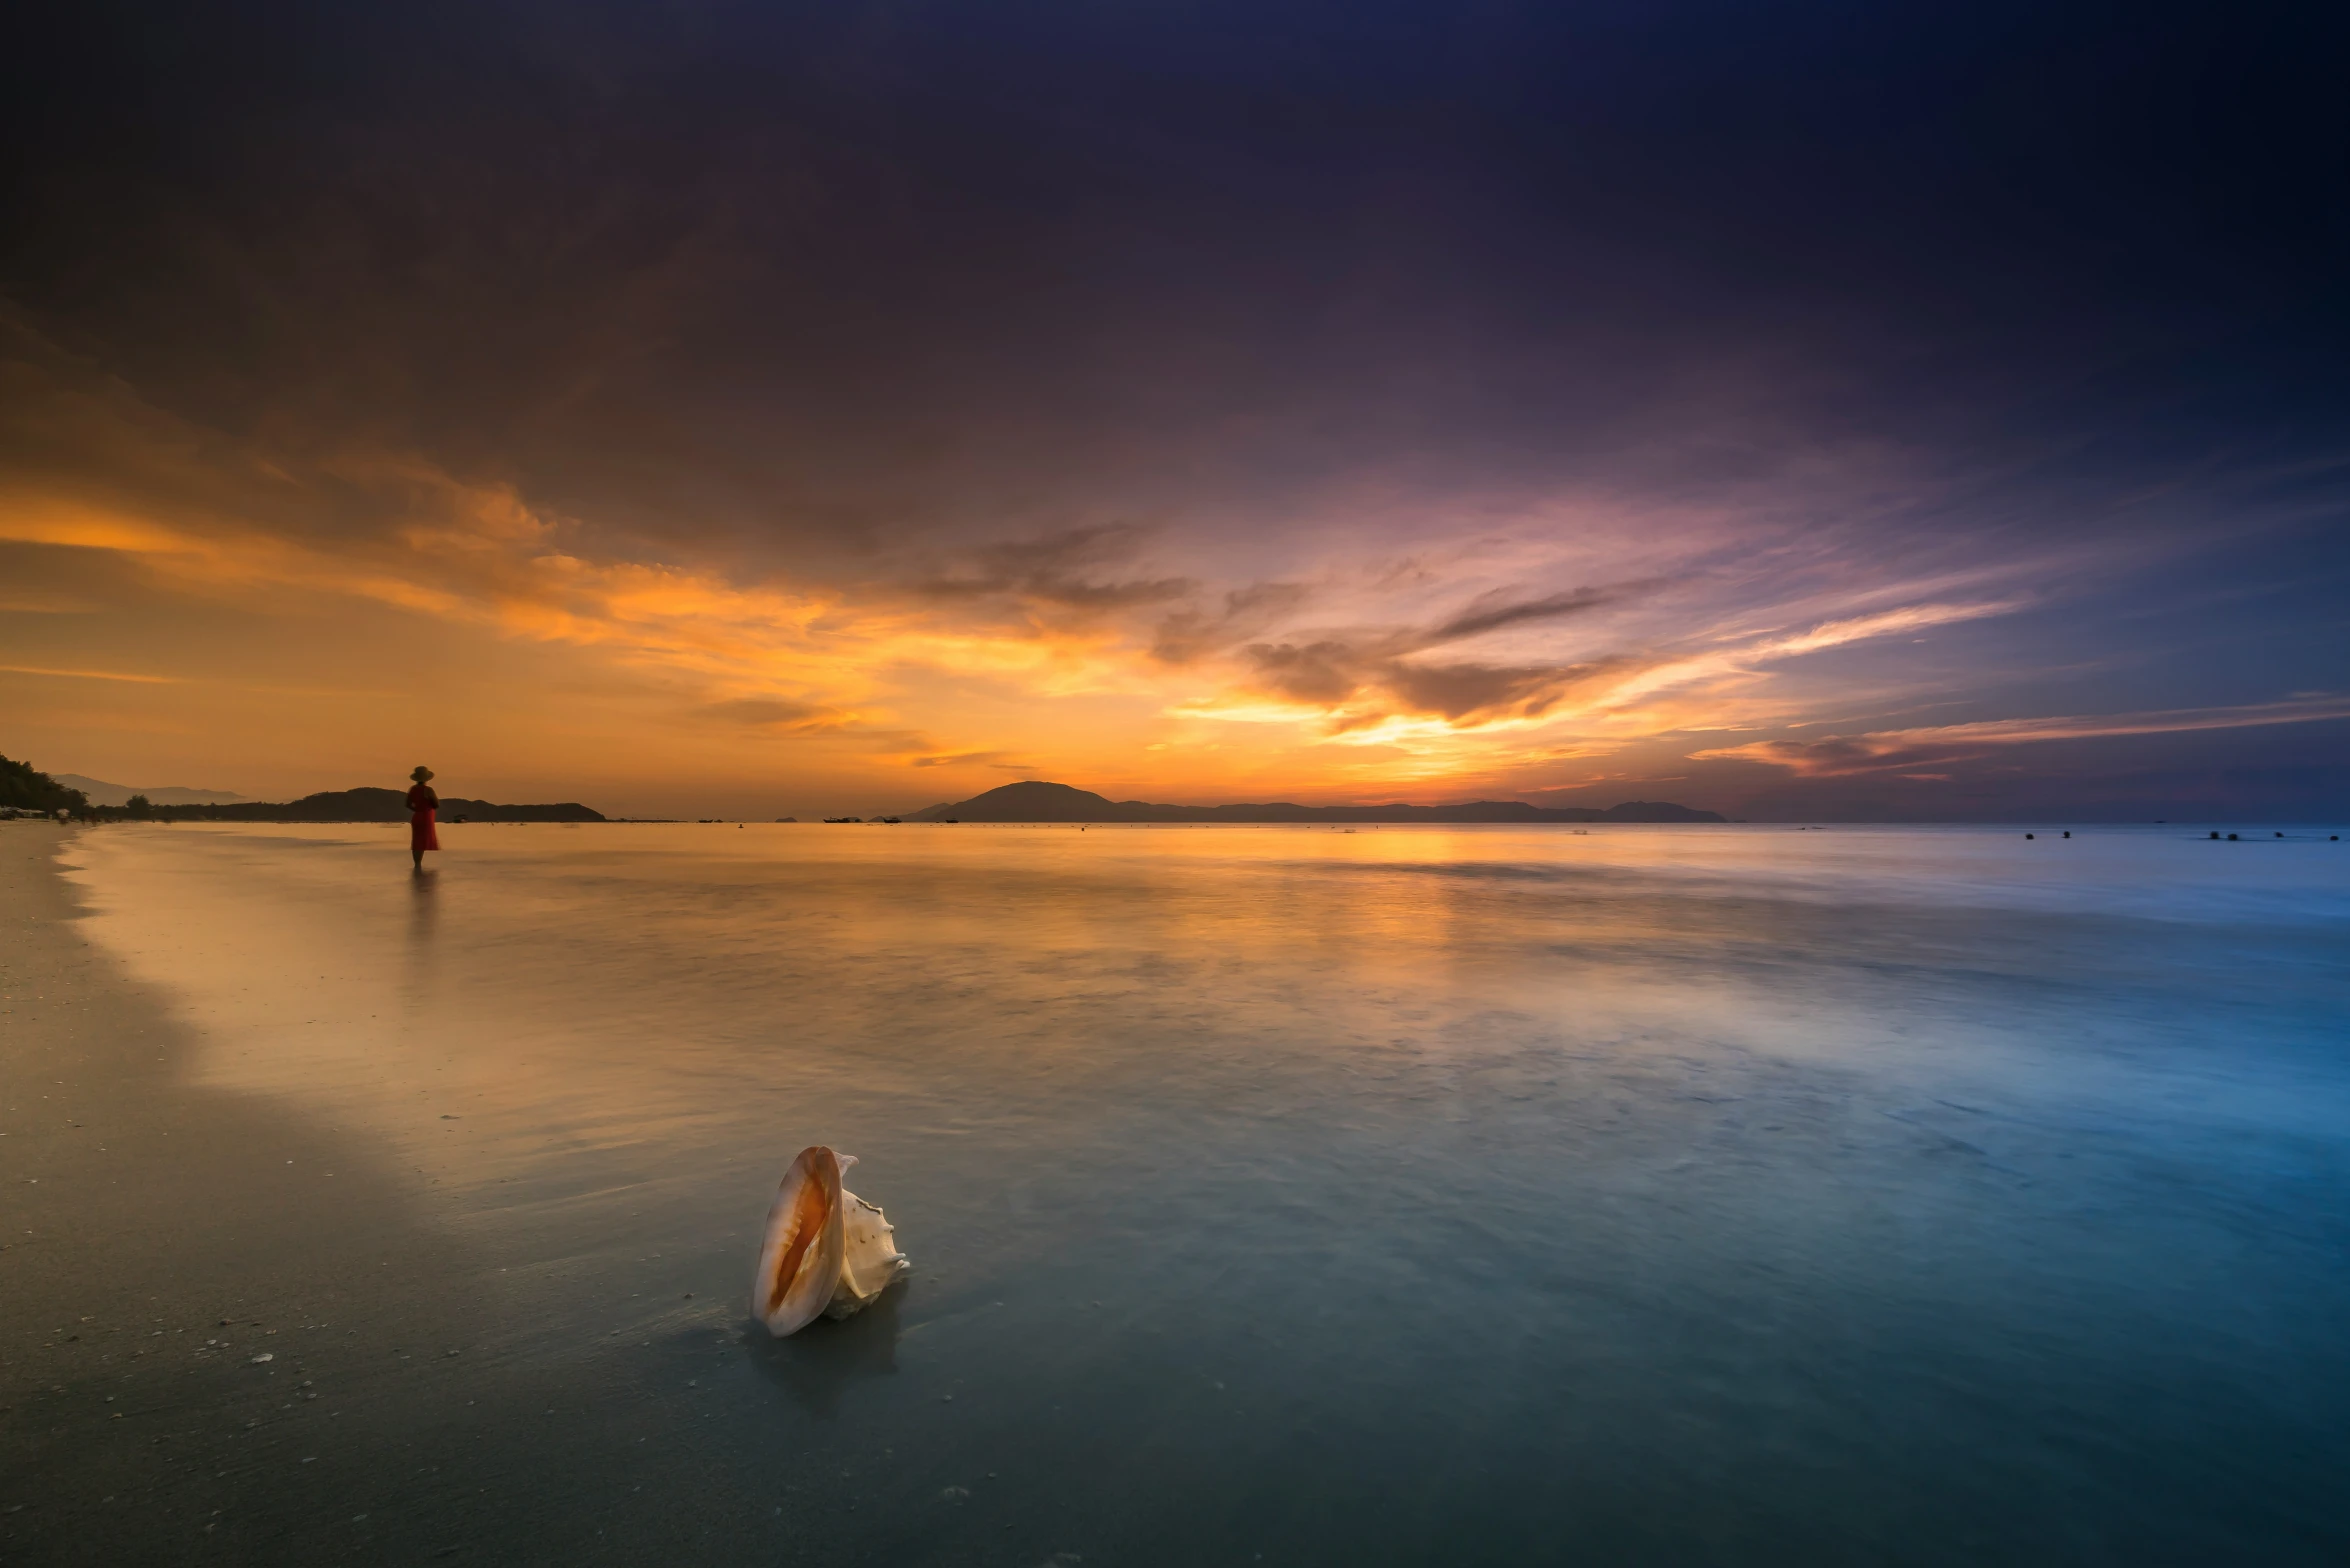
(1040, 801)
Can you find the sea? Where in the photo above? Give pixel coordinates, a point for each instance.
(1647, 1195)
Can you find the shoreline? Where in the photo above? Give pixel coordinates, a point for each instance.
(163, 1235)
(159, 1245)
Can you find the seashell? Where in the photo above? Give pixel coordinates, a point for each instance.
(827, 1252)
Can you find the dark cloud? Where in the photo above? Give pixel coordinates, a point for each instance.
(1058, 571)
(991, 759)
(784, 282)
(776, 713)
(1466, 693)
(1838, 756)
(1378, 675)
(1369, 688)
(1324, 674)
(1187, 636)
(1499, 608)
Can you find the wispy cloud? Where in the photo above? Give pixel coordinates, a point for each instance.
(777, 715)
(1497, 608)
(91, 675)
(1744, 659)
(1382, 688)
(1188, 635)
(1909, 749)
(955, 759)
(1062, 570)
(1352, 683)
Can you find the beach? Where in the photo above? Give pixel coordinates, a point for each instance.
(1661, 1195)
(228, 1337)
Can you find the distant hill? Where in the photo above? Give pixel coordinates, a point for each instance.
(377, 805)
(1037, 801)
(102, 793)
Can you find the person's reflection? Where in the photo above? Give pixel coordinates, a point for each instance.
(819, 1363)
(424, 915)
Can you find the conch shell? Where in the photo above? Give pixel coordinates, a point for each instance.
(828, 1252)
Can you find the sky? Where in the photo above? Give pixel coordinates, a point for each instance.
(1805, 411)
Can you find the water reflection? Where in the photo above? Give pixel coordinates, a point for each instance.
(424, 918)
(424, 889)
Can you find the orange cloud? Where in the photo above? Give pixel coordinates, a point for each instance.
(1077, 647)
(759, 642)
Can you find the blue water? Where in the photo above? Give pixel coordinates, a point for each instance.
(1638, 1195)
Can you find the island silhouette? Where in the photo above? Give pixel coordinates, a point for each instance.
(369, 804)
(366, 804)
(1038, 800)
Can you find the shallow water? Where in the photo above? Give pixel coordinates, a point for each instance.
(1725, 1195)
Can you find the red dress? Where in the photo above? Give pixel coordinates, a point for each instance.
(422, 802)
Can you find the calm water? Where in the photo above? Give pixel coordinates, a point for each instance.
(1732, 1195)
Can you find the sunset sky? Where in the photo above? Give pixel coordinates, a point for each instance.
(1798, 410)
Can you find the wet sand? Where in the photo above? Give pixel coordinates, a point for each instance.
(164, 1237)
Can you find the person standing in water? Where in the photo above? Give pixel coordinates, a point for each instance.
(422, 803)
